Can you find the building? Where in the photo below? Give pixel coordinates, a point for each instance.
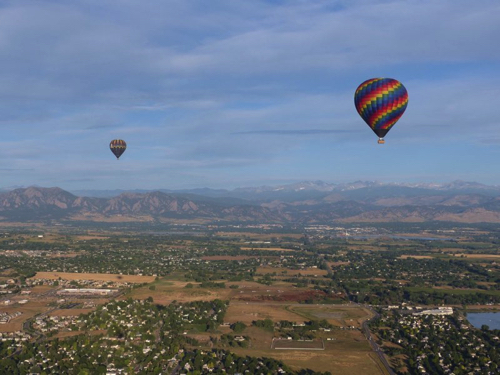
(439, 311)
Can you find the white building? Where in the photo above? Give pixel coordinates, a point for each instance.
(439, 311)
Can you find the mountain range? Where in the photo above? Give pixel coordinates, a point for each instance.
(304, 203)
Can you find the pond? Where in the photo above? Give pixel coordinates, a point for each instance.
(491, 319)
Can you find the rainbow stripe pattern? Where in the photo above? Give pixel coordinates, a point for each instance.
(381, 102)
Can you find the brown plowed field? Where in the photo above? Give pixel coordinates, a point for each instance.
(228, 257)
(70, 312)
(167, 291)
(94, 276)
(248, 312)
(290, 272)
(28, 310)
(266, 249)
(287, 296)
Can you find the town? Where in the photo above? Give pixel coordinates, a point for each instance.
(235, 301)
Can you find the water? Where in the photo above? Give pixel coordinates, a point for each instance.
(492, 320)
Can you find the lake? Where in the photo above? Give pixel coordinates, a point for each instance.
(490, 319)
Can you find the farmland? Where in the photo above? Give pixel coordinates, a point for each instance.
(165, 291)
(298, 345)
(275, 293)
(338, 315)
(227, 257)
(248, 312)
(292, 272)
(27, 310)
(479, 256)
(266, 249)
(254, 236)
(69, 312)
(94, 276)
(348, 354)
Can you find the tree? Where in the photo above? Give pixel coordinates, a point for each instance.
(238, 327)
(228, 361)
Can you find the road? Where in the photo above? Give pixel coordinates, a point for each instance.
(376, 348)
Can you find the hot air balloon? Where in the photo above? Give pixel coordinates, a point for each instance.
(381, 102)
(118, 147)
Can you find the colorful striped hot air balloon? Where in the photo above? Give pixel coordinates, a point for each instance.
(118, 147)
(381, 102)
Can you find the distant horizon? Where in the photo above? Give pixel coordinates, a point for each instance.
(255, 186)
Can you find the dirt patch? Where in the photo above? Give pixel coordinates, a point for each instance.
(248, 312)
(259, 236)
(202, 338)
(298, 345)
(339, 263)
(64, 255)
(479, 256)
(349, 354)
(70, 312)
(94, 276)
(285, 296)
(266, 249)
(338, 315)
(290, 272)
(227, 257)
(90, 237)
(389, 344)
(40, 289)
(61, 335)
(166, 291)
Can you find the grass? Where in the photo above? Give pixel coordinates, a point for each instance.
(298, 345)
(349, 354)
(168, 290)
(248, 312)
(337, 315)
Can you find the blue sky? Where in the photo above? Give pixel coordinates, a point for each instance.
(243, 93)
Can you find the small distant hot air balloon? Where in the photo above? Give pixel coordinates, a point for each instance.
(381, 102)
(118, 147)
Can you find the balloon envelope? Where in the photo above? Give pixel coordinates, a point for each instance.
(118, 147)
(381, 102)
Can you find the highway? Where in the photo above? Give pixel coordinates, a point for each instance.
(376, 348)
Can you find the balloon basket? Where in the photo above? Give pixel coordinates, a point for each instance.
(381, 141)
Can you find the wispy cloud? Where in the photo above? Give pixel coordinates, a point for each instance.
(296, 132)
(193, 87)
(16, 169)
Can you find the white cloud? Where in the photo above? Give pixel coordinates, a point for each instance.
(178, 79)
